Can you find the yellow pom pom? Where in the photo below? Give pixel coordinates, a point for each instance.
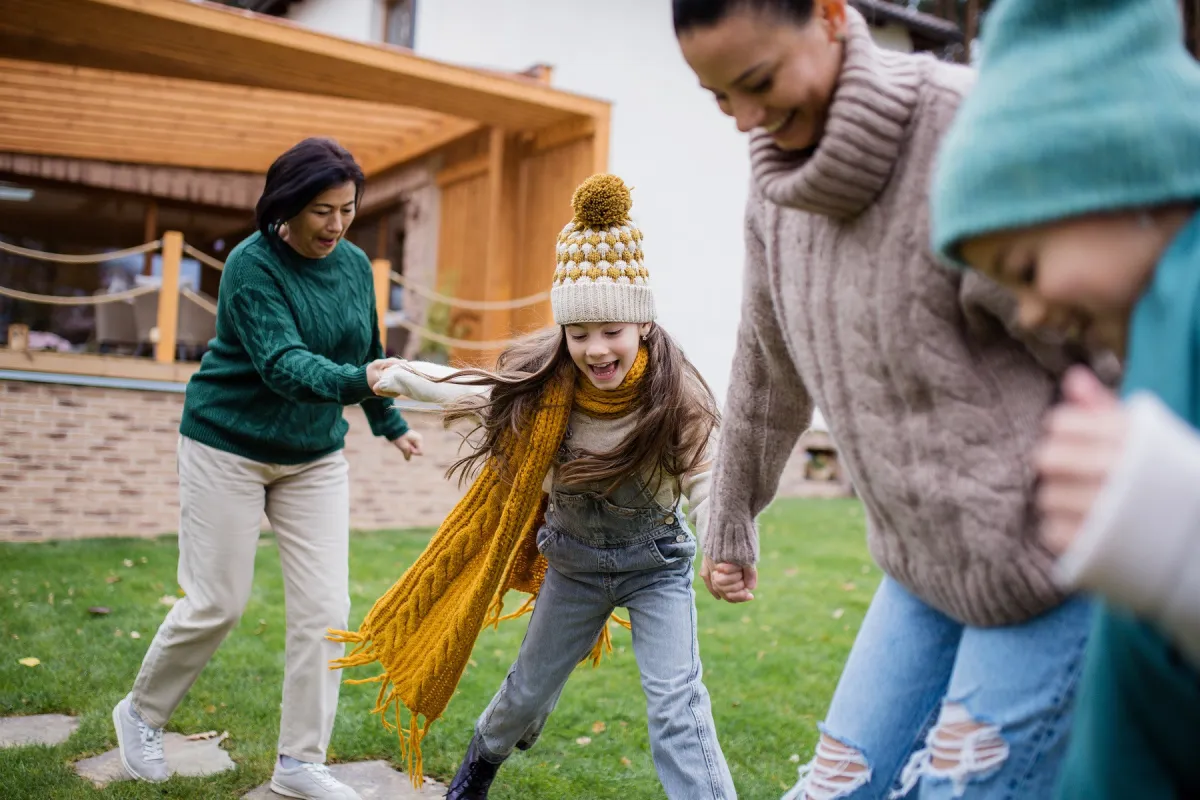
(602, 201)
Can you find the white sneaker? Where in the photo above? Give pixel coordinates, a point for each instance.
(140, 746)
(310, 782)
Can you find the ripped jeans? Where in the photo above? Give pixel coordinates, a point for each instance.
(929, 708)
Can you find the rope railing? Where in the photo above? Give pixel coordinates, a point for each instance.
(199, 300)
(450, 341)
(206, 304)
(89, 300)
(203, 257)
(470, 305)
(89, 258)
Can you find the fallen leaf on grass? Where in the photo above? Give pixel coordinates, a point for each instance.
(134, 635)
(625, 762)
(128, 563)
(838, 612)
(583, 740)
(113, 579)
(200, 737)
(210, 709)
(98, 611)
(29, 662)
(262, 626)
(598, 727)
(168, 600)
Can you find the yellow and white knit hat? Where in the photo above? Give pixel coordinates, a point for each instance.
(601, 276)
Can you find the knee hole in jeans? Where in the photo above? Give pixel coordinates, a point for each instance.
(837, 770)
(958, 749)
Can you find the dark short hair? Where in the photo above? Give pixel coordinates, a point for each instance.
(689, 14)
(299, 175)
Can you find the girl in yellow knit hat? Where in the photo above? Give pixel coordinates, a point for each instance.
(589, 436)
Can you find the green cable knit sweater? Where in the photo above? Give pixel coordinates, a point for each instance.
(293, 339)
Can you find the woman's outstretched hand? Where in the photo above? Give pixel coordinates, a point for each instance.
(409, 444)
(733, 583)
(375, 373)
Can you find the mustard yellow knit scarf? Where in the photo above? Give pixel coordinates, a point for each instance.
(423, 629)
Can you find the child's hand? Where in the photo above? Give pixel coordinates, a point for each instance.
(1083, 441)
(382, 379)
(409, 444)
(730, 582)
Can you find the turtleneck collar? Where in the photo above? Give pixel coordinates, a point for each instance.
(874, 100)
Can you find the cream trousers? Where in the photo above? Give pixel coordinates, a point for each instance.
(222, 498)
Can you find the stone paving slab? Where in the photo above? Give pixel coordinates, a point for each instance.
(373, 780)
(48, 729)
(190, 758)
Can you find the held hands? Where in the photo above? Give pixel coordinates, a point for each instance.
(733, 583)
(409, 444)
(375, 373)
(1083, 441)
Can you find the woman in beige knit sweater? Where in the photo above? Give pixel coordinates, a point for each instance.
(962, 678)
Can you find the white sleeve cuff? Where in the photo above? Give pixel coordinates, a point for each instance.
(1140, 544)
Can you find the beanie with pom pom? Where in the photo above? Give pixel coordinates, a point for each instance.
(600, 275)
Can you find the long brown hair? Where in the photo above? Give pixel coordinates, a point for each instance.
(677, 408)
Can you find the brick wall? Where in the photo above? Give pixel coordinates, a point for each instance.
(79, 462)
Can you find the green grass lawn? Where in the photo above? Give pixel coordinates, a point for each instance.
(770, 666)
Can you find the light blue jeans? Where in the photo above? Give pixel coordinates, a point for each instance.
(623, 551)
(917, 681)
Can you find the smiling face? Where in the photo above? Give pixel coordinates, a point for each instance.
(769, 72)
(315, 231)
(1079, 278)
(605, 351)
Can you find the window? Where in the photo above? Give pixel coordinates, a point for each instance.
(399, 22)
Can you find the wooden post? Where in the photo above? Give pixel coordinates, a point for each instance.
(971, 29)
(168, 298)
(151, 233)
(381, 268)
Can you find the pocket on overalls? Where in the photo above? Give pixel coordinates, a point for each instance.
(673, 548)
(545, 535)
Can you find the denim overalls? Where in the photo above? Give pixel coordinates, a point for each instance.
(623, 550)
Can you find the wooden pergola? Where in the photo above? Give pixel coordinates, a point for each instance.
(198, 85)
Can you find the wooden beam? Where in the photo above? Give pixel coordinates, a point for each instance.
(31, 79)
(600, 145)
(381, 271)
(499, 251)
(430, 140)
(562, 134)
(128, 367)
(178, 152)
(168, 298)
(462, 171)
(203, 41)
(86, 116)
(133, 152)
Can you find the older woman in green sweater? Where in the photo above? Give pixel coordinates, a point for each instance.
(263, 431)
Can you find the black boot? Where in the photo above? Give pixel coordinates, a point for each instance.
(474, 777)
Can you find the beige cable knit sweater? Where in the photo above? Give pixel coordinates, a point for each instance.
(935, 406)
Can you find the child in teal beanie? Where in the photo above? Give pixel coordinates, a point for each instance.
(1072, 176)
